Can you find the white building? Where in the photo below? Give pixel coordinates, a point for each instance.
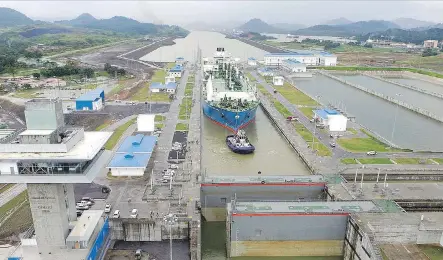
(145, 123)
(133, 155)
(175, 71)
(278, 80)
(430, 44)
(292, 65)
(179, 61)
(157, 87)
(252, 62)
(307, 58)
(335, 121)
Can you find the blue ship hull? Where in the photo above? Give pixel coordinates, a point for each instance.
(232, 121)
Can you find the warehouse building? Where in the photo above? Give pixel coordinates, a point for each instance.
(133, 155)
(292, 65)
(307, 58)
(92, 100)
(86, 230)
(265, 72)
(176, 71)
(332, 119)
(157, 87)
(293, 228)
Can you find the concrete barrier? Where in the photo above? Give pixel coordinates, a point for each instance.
(387, 98)
(430, 93)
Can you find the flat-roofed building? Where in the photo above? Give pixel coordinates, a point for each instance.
(430, 44)
(176, 71)
(307, 58)
(85, 230)
(292, 65)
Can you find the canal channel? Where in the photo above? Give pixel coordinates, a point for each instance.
(411, 129)
(431, 87)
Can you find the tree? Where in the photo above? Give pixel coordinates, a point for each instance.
(36, 75)
(27, 86)
(88, 72)
(429, 52)
(368, 45)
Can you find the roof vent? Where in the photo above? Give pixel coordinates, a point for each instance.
(129, 156)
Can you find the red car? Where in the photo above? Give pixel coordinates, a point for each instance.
(292, 118)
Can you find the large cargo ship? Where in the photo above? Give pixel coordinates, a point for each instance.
(230, 99)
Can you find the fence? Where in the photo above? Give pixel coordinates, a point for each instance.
(95, 252)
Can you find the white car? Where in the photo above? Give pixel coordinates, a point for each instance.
(107, 208)
(173, 166)
(116, 214)
(82, 207)
(371, 153)
(87, 202)
(134, 213)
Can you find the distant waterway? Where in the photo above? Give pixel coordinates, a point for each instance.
(273, 155)
(436, 88)
(208, 42)
(214, 246)
(409, 96)
(411, 129)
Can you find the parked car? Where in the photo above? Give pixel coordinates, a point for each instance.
(173, 166)
(138, 254)
(332, 144)
(81, 207)
(292, 118)
(105, 190)
(134, 213)
(108, 208)
(87, 202)
(275, 91)
(116, 214)
(371, 153)
(79, 213)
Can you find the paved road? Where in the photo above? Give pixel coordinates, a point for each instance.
(11, 193)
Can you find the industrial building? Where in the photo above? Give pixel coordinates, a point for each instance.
(332, 119)
(307, 58)
(430, 44)
(252, 61)
(49, 157)
(293, 228)
(92, 100)
(278, 80)
(145, 123)
(176, 71)
(293, 65)
(169, 87)
(180, 61)
(133, 155)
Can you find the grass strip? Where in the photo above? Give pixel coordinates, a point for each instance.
(115, 137)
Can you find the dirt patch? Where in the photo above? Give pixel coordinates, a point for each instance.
(15, 109)
(90, 121)
(123, 255)
(372, 59)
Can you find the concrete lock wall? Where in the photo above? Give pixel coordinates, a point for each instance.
(214, 198)
(135, 230)
(294, 235)
(357, 244)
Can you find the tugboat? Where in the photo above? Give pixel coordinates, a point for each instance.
(239, 143)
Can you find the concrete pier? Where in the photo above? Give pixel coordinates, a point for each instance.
(389, 99)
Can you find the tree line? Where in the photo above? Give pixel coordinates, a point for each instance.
(112, 70)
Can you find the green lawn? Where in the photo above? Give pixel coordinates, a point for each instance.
(182, 127)
(6, 187)
(307, 111)
(13, 203)
(188, 89)
(185, 108)
(439, 160)
(434, 252)
(375, 161)
(115, 137)
(159, 125)
(295, 96)
(104, 125)
(411, 161)
(348, 161)
(352, 130)
(144, 95)
(321, 149)
(279, 106)
(358, 144)
(170, 65)
(159, 118)
(159, 76)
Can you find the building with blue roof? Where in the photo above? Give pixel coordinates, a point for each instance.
(265, 72)
(92, 100)
(179, 61)
(169, 87)
(252, 61)
(293, 65)
(133, 155)
(175, 71)
(334, 120)
(308, 58)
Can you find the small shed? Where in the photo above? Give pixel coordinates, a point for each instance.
(145, 123)
(252, 61)
(278, 80)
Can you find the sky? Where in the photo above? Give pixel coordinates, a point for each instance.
(216, 12)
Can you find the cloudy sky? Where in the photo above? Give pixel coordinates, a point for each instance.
(186, 12)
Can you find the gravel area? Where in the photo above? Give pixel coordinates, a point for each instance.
(158, 250)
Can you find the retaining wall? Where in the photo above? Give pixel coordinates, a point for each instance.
(387, 98)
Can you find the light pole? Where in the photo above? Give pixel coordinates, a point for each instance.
(170, 220)
(395, 121)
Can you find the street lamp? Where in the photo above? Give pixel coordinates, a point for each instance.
(395, 121)
(170, 220)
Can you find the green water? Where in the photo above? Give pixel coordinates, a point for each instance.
(214, 239)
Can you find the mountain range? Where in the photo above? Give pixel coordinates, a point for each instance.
(118, 24)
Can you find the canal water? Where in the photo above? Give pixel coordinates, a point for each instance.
(411, 97)
(208, 43)
(411, 129)
(436, 88)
